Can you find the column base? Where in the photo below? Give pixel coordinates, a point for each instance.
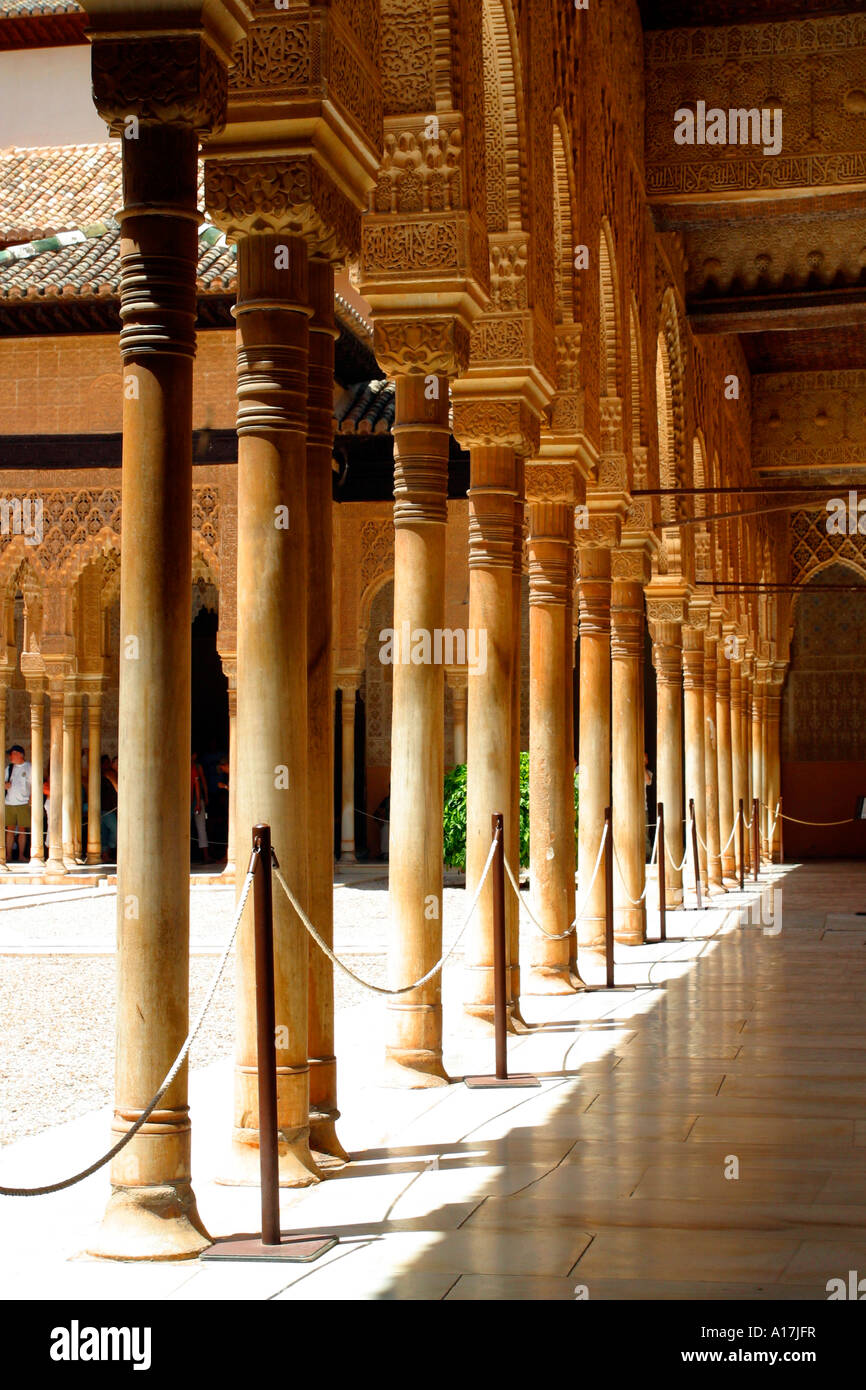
(93, 857)
(150, 1223)
(54, 866)
(325, 1145)
(552, 979)
(295, 1163)
(479, 1019)
(410, 1070)
(629, 926)
(347, 858)
(590, 934)
(229, 871)
(36, 866)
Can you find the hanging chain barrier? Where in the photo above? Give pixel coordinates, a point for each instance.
(578, 916)
(335, 960)
(170, 1075)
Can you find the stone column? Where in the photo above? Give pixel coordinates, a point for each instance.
(54, 863)
(37, 760)
(738, 756)
(512, 815)
(71, 740)
(94, 777)
(569, 636)
(414, 1020)
(551, 795)
(724, 748)
(152, 1210)
(668, 662)
(458, 681)
(230, 668)
(594, 772)
(772, 710)
(273, 344)
(746, 737)
(629, 804)
(490, 723)
(320, 714)
(757, 759)
(3, 689)
(77, 789)
(711, 764)
(349, 691)
(693, 718)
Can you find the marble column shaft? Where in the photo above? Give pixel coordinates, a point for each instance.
(594, 600)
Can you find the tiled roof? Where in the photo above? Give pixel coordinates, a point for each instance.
(16, 9)
(86, 263)
(366, 408)
(43, 191)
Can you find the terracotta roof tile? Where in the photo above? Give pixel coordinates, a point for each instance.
(59, 188)
(15, 9)
(365, 408)
(86, 262)
(44, 191)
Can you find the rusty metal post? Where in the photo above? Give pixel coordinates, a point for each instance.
(497, 870)
(660, 813)
(742, 840)
(608, 899)
(695, 856)
(500, 1076)
(756, 839)
(263, 914)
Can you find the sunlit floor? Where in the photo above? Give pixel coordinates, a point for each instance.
(699, 1136)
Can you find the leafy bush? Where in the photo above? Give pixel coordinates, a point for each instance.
(454, 819)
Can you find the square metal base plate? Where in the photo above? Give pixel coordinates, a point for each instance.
(294, 1249)
(491, 1083)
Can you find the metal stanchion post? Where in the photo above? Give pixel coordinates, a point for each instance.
(608, 899)
(756, 840)
(696, 859)
(500, 1005)
(271, 1245)
(742, 839)
(781, 833)
(660, 813)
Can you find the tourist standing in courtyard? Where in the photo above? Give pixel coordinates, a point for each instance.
(17, 782)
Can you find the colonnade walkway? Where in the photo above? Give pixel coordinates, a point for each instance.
(740, 1049)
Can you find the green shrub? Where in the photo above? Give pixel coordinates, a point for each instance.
(454, 817)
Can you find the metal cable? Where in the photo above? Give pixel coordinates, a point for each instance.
(380, 989)
(172, 1073)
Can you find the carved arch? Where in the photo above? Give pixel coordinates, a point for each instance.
(567, 299)
(608, 314)
(504, 120)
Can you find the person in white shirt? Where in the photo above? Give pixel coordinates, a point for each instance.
(18, 780)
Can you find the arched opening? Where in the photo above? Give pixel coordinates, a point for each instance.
(823, 735)
(209, 722)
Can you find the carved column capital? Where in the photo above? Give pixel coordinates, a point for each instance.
(433, 346)
(508, 423)
(290, 195)
(163, 79)
(602, 530)
(632, 565)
